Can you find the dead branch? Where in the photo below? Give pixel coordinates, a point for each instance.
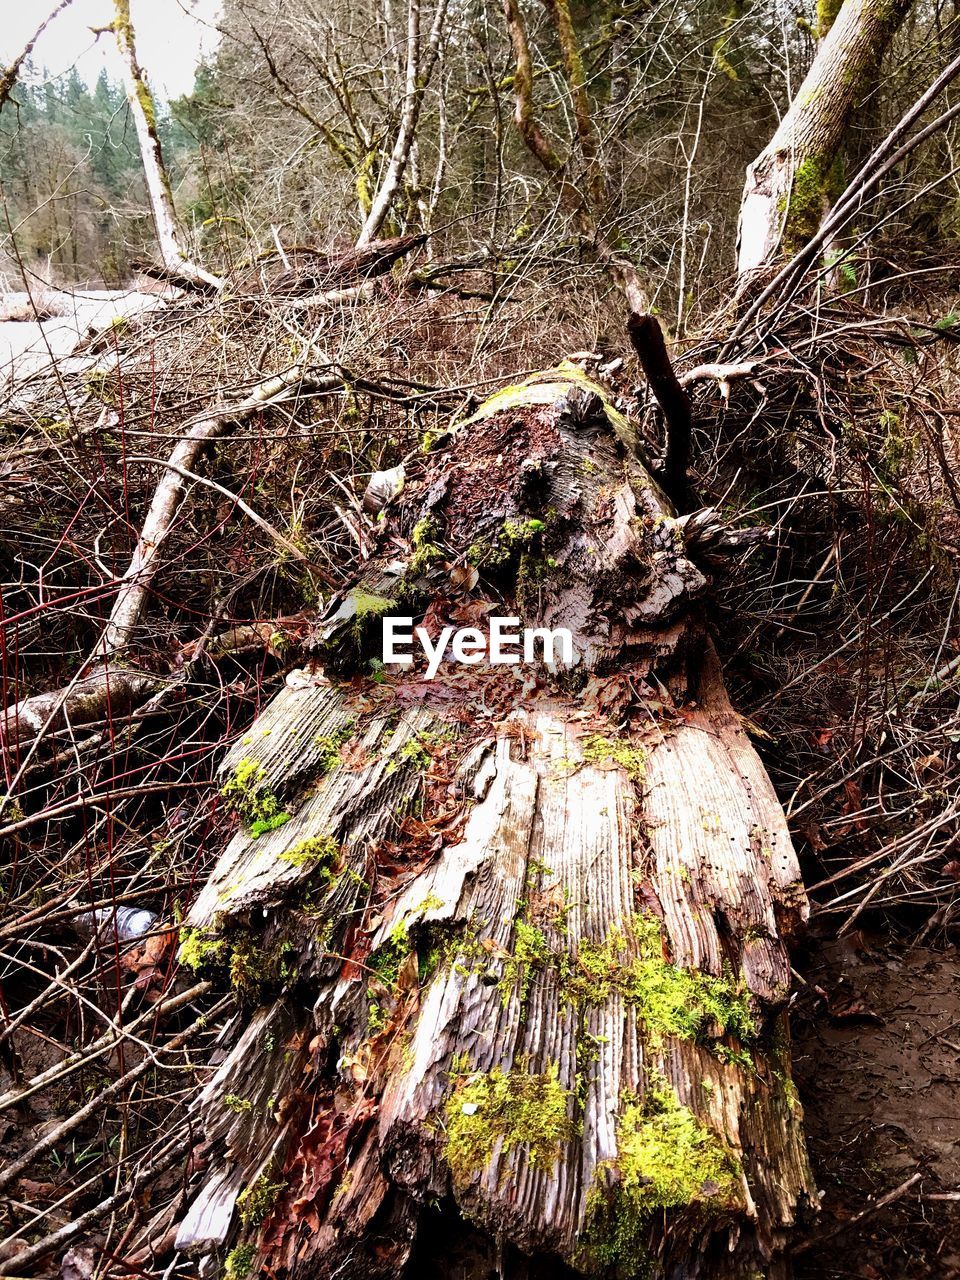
(144, 565)
(103, 1044)
(282, 542)
(174, 1152)
(104, 1097)
(9, 77)
(648, 342)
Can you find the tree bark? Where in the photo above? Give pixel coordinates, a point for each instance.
(788, 187)
(143, 112)
(513, 947)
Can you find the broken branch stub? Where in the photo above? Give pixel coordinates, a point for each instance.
(517, 946)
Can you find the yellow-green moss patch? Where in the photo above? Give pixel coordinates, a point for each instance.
(314, 851)
(670, 1000)
(239, 1262)
(256, 804)
(255, 1204)
(597, 749)
(367, 605)
(513, 1109)
(667, 1159)
(199, 949)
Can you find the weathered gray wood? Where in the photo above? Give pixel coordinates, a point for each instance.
(604, 928)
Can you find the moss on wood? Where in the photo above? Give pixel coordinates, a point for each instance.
(667, 1159)
(514, 1109)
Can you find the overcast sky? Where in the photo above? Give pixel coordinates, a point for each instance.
(171, 37)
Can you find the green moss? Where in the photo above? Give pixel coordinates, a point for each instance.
(236, 1103)
(666, 1159)
(425, 552)
(200, 949)
(367, 605)
(522, 530)
(815, 181)
(597, 749)
(254, 803)
(414, 752)
(239, 1262)
(253, 967)
(238, 954)
(531, 952)
(260, 826)
(827, 11)
(386, 960)
(542, 388)
(102, 387)
(256, 1202)
(330, 745)
(146, 105)
(668, 999)
(511, 1109)
(384, 964)
(314, 851)
(364, 181)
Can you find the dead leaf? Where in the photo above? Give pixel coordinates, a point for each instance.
(408, 977)
(463, 577)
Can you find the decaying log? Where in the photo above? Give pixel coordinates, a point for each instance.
(512, 942)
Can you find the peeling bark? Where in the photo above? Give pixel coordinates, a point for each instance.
(516, 949)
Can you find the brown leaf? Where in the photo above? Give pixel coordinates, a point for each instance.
(850, 1009)
(408, 977)
(463, 577)
(494, 948)
(930, 764)
(472, 613)
(354, 755)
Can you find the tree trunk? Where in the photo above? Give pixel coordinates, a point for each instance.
(514, 946)
(419, 71)
(143, 112)
(789, 186)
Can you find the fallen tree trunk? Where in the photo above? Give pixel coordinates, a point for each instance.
(513, 942)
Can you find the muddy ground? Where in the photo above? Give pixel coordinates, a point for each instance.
(877, 1063)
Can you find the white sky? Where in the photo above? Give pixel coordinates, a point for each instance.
(171, 37)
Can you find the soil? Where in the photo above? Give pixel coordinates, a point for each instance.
(876, 1057)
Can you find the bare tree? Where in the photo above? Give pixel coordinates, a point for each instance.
(8, 78)
(143, 111)
(419, 70)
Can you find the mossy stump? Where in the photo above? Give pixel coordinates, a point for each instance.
(539, 966)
